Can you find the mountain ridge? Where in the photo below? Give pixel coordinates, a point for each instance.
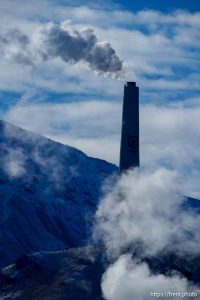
(48, 192)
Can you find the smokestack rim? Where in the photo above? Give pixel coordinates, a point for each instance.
(130, 84)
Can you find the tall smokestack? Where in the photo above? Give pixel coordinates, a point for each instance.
(129, 151)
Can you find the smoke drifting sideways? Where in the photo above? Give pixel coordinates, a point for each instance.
(143, 217)
(51, 40)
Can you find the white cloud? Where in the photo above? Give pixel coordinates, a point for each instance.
(142, 215)
(84, 119)
(128, 280)
(169, 133)
(150, 43)
(91, 126)
(14, 164)
(146, 208)
(172, 132)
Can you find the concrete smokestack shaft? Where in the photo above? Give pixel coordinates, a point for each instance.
(129, 151)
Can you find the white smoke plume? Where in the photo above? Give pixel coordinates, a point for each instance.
(146, 210)
(51, 40)
(128, 280)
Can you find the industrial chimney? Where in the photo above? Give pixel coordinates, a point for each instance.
(129, 151)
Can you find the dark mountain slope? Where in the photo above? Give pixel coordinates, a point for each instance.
(72, 274)
(48, 193)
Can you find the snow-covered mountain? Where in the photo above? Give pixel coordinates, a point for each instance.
(48, 193)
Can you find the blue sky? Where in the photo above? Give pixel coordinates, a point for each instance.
(165, 5)
(159, 43)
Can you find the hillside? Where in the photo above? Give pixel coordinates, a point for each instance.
(48, 193)
(71, 274)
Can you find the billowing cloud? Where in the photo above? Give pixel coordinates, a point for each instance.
(129, 280)
(143, 216)
(147, 207)
(63, 41)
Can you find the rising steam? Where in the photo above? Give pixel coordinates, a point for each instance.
(146, 211)
(72, 46)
